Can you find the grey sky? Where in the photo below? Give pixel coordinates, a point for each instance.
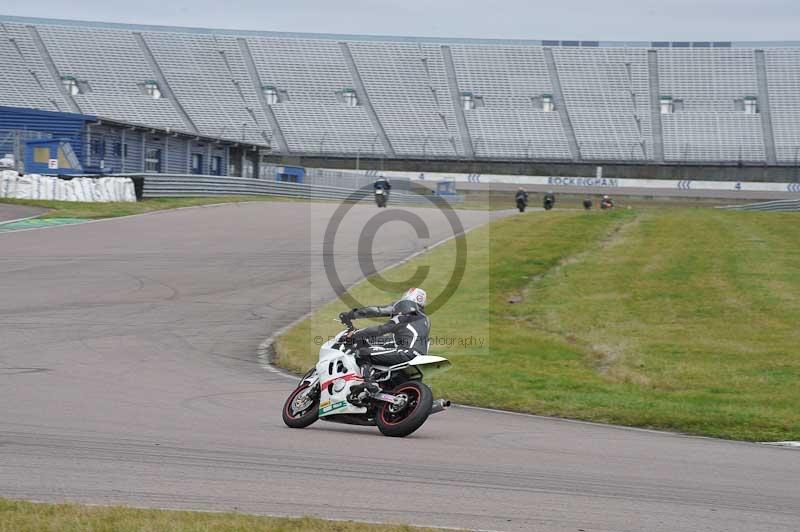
(629, 20)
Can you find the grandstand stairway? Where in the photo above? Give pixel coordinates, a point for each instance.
(461, 120)
(361, 91)
(255, 79)
(163, 84)
(561, 104)
(51, 67)
(764, 107)
(655, 106)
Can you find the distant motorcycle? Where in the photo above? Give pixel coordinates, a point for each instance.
(606, 203)
(334, 391)
(521, 203)
(549, 202)
(381, 197)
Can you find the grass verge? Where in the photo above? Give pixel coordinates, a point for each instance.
(16, 516)
(94, 211)
(676, 319)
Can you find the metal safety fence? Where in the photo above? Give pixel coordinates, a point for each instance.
(792, 205)
(177, 186)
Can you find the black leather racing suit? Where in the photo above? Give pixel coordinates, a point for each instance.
(383, 184)
(410, 333)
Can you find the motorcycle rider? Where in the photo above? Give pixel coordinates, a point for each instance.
(409, 327)
(521, 199)
(549, 197)
(382, 188)
(382, 184)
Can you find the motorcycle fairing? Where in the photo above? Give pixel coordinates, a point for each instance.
(428, 365)
(337, 372)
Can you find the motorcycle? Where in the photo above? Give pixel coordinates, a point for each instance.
(521, 204)
(334, 390)
(606, 203)
(549, 202)
(381, 197)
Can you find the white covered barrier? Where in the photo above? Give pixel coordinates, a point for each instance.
(41, 187)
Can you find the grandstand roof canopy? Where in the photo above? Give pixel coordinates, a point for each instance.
(398, 38)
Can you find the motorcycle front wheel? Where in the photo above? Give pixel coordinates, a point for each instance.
(400, 422)
(301, 409)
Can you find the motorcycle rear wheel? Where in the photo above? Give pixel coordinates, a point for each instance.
(300, 419)
(402, 422)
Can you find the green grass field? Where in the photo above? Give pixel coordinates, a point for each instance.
(34, 517)
(679, 319)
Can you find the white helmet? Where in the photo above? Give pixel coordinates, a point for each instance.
(417, 295)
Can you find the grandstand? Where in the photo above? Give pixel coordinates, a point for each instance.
(419, 98)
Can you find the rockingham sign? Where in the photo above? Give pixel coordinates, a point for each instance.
(582, 182)
(605, 182)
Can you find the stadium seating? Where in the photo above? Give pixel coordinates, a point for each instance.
(414, 107)
(783, 72)
(608, 98)
(709, 128)
(509, 79)
(418, 98)
(114, 68)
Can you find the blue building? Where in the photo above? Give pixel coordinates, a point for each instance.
(47, 142)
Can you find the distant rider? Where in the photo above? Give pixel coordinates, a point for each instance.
(382, 184)
(521, 194)
(409, 327)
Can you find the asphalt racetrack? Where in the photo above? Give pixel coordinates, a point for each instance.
(128, 374)
(10, 212)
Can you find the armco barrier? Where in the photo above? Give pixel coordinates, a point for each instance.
(176, 186)
(775, 206)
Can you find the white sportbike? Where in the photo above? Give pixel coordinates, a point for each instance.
(334, 391)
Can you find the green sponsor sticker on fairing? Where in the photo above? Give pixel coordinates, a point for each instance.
(334, 406)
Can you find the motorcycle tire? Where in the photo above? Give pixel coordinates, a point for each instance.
(306, 416)
(400, 423)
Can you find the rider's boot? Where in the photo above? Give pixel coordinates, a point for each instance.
(368, 385)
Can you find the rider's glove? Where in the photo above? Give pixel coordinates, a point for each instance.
(346, 316)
